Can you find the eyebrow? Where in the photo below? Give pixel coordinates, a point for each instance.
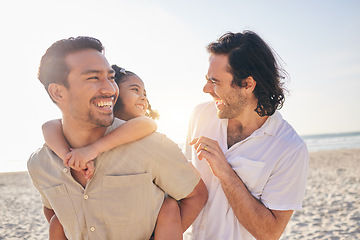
(95, 71)
(211, 79)
(134, 85)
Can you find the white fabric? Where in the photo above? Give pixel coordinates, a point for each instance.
(272, 162)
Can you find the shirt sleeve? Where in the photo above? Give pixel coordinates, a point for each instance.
(173, 172)
(32, 174)
(189, 137)
(286, 186)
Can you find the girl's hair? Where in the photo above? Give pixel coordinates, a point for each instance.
(122, 75)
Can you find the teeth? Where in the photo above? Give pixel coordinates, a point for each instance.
(219, 102)
(140, 107)
(104, 104)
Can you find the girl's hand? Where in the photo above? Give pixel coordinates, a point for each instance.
(89, 171)
(80, 157)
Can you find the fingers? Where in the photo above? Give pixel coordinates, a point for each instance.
(67, 158)
(89, 171)
(71, 162)
(203, 144)
(75, 164)
(193, 141)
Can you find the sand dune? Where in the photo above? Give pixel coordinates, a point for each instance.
(331, 208)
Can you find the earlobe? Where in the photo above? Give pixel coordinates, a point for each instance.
(57, 92)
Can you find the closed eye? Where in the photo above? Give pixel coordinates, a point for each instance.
(211, 80)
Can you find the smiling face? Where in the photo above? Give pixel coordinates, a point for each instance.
(132, 100)
(92, 90)
(229, 99)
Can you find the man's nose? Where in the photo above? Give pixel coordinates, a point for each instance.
(208, 88)
(109, 87)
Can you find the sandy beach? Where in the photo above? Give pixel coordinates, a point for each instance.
(331, 209)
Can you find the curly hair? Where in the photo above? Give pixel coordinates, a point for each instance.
(249, 56)
(122, 75)
(53, 68)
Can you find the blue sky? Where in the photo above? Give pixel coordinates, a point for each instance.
(164, 43)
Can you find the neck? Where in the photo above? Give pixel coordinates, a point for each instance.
(80, 134)
(243, 126)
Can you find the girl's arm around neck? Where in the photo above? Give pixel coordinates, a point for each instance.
(54, 137)
(132, 130)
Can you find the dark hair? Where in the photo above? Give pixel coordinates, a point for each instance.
(122, 75)
(249, 56)
(53, 68)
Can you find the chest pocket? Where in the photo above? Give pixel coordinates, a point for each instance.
(62, 205)
(125, 198)
(250, 173)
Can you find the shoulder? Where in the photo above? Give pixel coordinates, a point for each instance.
(43, 159)
(39, 160)
(158, 139)
(206, 106)
(287, 137)
(203, 111)
(117, 122)
(283, 131)
(36, 157)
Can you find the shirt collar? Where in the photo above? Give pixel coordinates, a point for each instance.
(271, 125)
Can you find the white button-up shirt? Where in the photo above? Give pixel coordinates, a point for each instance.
(272, 162)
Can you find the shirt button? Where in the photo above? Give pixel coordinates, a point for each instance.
(92, 229)
(86, 197)
(65, 170)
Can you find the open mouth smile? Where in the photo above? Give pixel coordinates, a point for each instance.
(219, 103)
(141, 107)
(104, 104)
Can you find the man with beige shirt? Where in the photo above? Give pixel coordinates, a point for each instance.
(123, 198)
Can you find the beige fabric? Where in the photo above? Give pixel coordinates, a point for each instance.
(123, 198)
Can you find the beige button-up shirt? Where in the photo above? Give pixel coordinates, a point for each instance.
(123, 198)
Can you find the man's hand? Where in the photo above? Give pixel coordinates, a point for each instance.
(211, 151)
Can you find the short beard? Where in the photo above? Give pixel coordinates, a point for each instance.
(233, 111)
(101, 122)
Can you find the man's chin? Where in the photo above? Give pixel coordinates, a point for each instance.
(220, 114)
(104, 122)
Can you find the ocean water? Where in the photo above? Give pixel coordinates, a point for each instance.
(314, 143)
(332, 141)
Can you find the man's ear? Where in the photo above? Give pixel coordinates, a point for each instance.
(57, 92)
(250, 84)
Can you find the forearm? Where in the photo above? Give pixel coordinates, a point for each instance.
(130, 131)
(191, 206)
(54, 138)
(260, 221)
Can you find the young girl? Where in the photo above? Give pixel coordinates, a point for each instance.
(133, 107)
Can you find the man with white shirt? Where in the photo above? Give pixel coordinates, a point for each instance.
(252, 161)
